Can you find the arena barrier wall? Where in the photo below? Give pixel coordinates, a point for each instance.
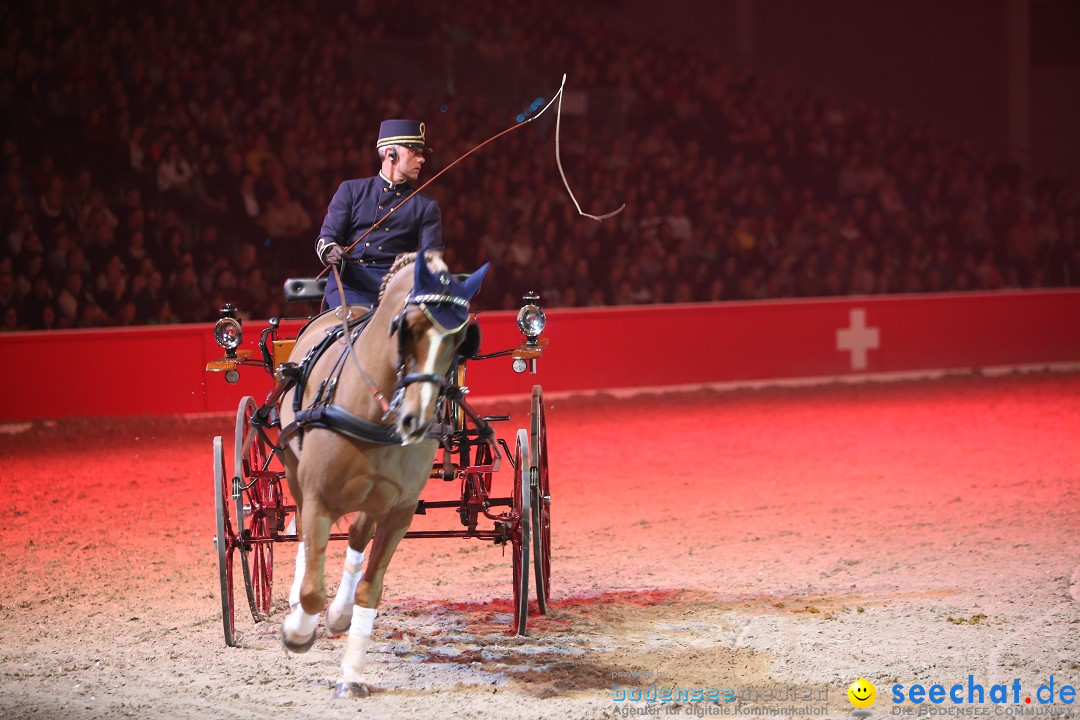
(160, 370)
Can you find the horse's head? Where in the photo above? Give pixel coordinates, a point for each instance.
(428, 329)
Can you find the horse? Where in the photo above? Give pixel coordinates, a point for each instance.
(334, 468)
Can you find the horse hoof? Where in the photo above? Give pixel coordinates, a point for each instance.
(338, 624)
(301, 647)
(345, 690)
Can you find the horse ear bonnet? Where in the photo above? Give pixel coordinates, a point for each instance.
(443, 298)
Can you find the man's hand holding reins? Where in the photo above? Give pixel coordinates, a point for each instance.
(333, 254)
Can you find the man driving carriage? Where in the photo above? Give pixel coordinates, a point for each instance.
(365, 204)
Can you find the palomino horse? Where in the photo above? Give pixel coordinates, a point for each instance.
(335, 467)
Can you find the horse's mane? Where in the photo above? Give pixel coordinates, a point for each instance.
(401, 261)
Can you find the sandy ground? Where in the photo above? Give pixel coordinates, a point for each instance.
(905, 533)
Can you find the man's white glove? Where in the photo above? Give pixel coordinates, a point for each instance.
(329, 252)
(333, 254)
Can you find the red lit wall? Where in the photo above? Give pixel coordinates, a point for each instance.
(161, 370)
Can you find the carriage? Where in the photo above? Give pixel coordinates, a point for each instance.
(255, 514)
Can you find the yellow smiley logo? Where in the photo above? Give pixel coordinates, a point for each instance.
(862, 693)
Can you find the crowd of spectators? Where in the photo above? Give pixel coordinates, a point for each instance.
(162, 159)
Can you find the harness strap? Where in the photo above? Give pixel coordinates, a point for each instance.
(337, 419)
(262, 419)
(484, 430)
(317, 351)
(421, 378)
(349, 346)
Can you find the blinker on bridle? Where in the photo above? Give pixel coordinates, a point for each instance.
(396, 326)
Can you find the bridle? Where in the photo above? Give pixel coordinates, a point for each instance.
(397, 325)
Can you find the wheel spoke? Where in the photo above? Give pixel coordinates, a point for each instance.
(257, 508)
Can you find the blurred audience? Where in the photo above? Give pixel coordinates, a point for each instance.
(161, 159)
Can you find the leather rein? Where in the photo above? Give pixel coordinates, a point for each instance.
(403, 380)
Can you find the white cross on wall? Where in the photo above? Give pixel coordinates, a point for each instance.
(857, 338)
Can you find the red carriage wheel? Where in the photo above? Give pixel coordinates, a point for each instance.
(541, 500)
(521, 538)
(258, 499)
(258, 556)
(225, 539)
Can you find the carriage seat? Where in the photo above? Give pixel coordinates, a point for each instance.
(305, 289)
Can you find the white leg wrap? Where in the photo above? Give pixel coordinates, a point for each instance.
(363, 622)
(298, 575)
(299, 624)
(350, 577)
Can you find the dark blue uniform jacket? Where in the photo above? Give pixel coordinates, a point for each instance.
(358, 205)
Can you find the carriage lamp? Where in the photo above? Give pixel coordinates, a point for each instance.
(228, 332)
(532, 321)
(531, 318)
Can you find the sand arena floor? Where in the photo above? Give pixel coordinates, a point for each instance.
(905, 533)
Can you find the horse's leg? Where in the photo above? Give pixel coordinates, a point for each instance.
(290, 462)
(300, 565)
(391, 529)
(298, 630)
(339, 614)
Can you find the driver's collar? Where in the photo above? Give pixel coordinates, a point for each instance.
(392, 185)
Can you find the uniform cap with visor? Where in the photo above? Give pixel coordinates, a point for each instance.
(407, 133)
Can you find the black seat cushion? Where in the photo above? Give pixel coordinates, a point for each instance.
(304, 289)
